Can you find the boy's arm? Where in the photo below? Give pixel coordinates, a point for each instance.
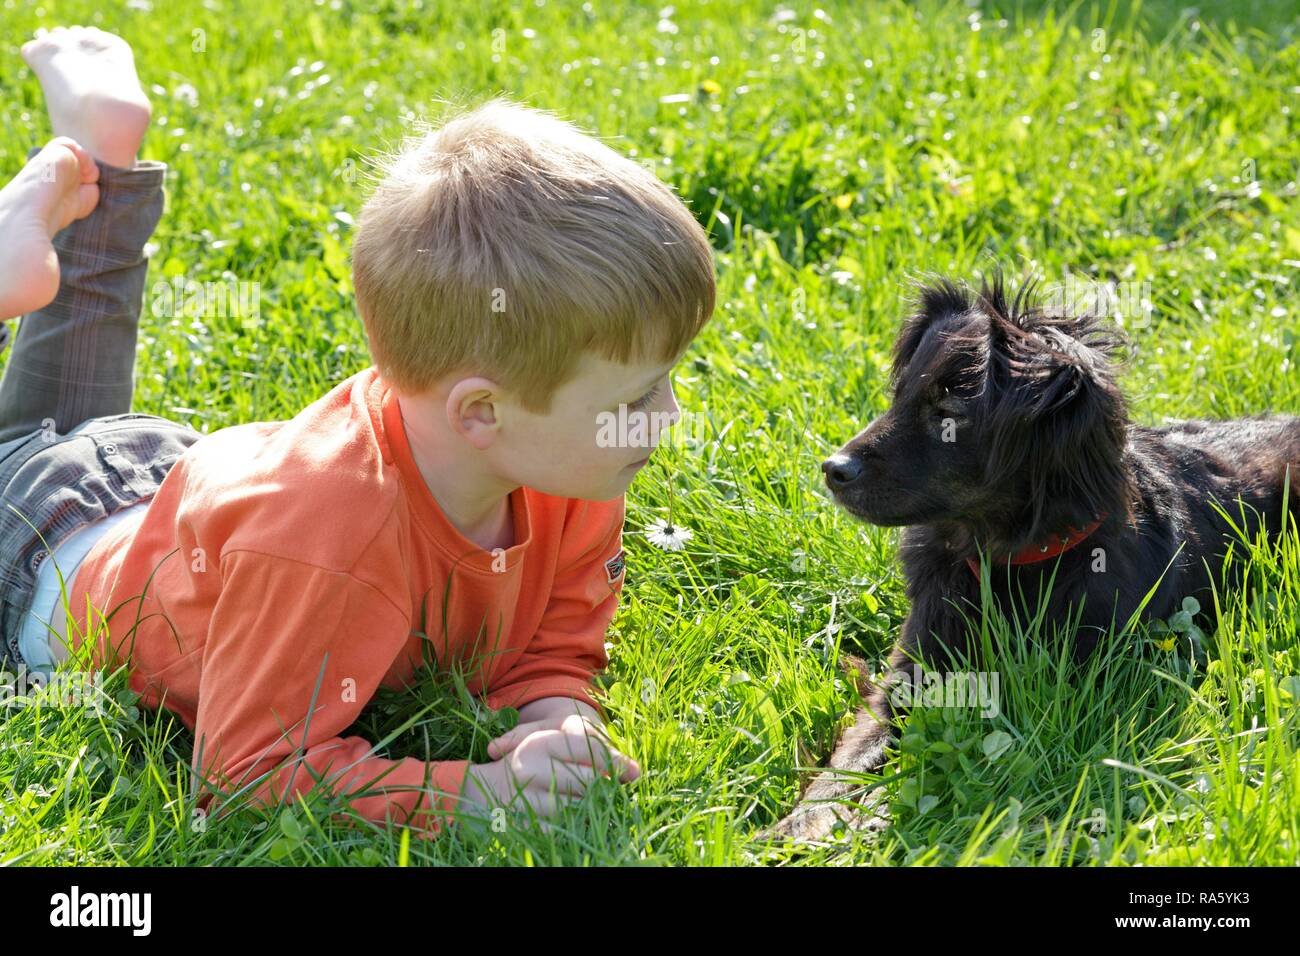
(294, 653)
(569, 645)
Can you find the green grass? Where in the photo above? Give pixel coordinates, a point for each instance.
(1033, 141)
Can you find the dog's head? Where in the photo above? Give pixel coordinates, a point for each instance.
(1003, 418)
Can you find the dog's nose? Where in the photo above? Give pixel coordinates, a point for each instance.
(841, 471)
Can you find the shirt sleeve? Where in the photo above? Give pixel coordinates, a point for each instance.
(568, 648)
(294, 653)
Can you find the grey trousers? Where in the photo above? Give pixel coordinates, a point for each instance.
(71, 451)
(75, 358)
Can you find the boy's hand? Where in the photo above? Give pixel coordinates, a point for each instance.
(560, 741)
(586, 743)
(547, 762)
(547, 713)
(572, 716)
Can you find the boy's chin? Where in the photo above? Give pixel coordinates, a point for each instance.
(615, 486)
(619, 484)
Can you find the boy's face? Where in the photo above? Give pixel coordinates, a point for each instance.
(601, 429)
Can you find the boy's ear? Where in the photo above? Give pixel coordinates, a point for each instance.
(472, 410)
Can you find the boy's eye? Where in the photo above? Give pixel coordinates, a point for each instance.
(645, 400)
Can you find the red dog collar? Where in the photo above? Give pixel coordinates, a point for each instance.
(1032, 553)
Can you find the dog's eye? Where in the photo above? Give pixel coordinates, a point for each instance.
(948, 406)
(943, 421)
(945, 405)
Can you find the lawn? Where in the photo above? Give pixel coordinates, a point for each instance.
(834, 153)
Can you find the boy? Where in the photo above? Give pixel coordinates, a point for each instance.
(516, 279)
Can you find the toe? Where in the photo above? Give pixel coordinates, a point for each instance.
(59, 162)
(42, 42)
(87, 200)
(88, 168)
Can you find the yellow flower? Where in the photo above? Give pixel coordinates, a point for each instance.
(712, 87)
(1167, 644)
(843, 201)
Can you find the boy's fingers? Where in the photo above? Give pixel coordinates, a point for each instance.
(598, 751)
(577, 724)
(545, 802)
(631, 770)
(564, 779)
(508, 741)
(573, 778)
(589, 751)
(498, 747)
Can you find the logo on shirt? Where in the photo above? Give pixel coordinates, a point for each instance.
(614, 567)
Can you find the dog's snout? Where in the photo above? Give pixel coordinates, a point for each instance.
(841, 471)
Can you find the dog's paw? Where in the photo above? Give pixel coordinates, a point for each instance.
(827, 812)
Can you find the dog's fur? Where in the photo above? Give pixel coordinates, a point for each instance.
(1039, 441)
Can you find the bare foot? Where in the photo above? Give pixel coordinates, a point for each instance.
(54, 188)
(92, 91)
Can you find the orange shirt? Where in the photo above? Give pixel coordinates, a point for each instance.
(286, 570)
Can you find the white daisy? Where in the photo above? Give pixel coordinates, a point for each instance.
(670, 537)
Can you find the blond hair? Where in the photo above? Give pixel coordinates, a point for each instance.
(507, 242)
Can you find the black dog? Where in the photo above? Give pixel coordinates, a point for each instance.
(1008, 441)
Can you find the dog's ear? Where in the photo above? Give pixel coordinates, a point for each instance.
(1054, 358)
(1056, 417)
(935, 298)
